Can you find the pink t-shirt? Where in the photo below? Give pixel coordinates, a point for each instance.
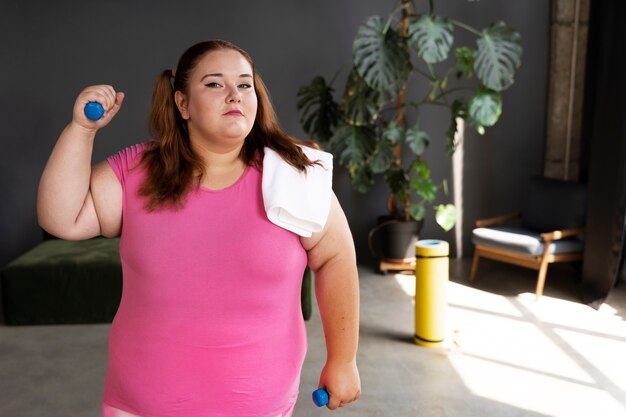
(210, 321)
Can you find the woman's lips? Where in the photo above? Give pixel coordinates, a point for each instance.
(233, 113)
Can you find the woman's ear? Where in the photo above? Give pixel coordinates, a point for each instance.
(181, 103)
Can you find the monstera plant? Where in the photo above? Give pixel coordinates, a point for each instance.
(376, 122)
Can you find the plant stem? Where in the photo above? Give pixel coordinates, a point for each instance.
(392, 203)
(388, 23)
(432, 71)
(415, 105)
(423, 73)
(452, 90)
(400, 109)
(393, 13)
(335, 77)
(434, 103)
(466, 27)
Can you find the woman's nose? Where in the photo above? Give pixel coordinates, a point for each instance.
(233, 96)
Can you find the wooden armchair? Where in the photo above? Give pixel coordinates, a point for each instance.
(549, 230)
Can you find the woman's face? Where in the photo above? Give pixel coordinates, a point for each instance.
(221, 104)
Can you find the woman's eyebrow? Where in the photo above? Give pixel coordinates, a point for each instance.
(219, 74)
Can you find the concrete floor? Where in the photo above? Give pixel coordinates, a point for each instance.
(505, 354)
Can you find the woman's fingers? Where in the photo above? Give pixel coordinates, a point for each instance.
(109, 99)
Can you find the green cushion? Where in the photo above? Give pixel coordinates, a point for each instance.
(63, 282)
(306, 293)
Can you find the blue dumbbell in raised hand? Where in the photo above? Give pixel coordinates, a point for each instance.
(94, 110)
(320, 397)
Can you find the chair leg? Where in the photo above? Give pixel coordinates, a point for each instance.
(541, 279)
(474, 267)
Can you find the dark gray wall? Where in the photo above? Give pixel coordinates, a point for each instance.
(51, 50)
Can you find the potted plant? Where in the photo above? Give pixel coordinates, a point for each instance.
(375, 126)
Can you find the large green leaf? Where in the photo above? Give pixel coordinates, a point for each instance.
(417, 140)
(398, 181)
(382, 158)
(498, 55)
(361, 103)
(464, 62)
(380, 56)
(421, 169)
(484, 108)
(421, 182)
(362, 179)
(353, 147)
(418, 211)
(339, 142)
(394, 133)
(445, 215)
(425, 188)
(319, 113)
(432, 37)
(458, 110)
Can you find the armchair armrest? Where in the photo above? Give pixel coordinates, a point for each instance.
(498, 219)
(560, 234)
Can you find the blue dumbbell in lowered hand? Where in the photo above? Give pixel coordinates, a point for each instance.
(320, 397)
(94, 110)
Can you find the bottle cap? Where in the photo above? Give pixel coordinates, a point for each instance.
(431, 248)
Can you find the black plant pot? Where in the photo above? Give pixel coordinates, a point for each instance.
(394, 240)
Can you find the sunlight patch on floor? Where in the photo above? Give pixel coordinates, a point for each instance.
(601, 351)
(548, 355)
(565, 313)
(529, 390)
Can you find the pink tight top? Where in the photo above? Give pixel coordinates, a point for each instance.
(210, 322)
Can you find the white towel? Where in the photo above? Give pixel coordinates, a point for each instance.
(294, 200)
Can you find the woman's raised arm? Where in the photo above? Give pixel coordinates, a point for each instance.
(75, 202)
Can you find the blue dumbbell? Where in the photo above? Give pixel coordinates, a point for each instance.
(320, 397)
(94, 110)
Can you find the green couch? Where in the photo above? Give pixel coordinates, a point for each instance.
(63, 282)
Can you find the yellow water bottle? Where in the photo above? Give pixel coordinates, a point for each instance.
(431, 280)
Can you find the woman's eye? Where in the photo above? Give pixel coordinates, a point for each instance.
(245, 86)
(213, 85)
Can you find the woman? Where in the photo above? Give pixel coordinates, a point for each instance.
(209, 323)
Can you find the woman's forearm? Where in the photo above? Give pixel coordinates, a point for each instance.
(337, 291)
(332, 257)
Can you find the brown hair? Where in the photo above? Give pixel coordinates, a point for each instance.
(173, 168)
